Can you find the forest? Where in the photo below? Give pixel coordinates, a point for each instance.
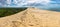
(9, 11)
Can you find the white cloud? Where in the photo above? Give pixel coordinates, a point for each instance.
(8, 1)
(38, 1)
(25, 2)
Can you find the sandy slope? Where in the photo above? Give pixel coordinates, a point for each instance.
(32, 17)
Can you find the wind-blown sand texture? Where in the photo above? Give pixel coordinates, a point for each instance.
(32, 17)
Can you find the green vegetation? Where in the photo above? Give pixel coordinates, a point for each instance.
(10, 11)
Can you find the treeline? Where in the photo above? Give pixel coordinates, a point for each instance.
(10, 11)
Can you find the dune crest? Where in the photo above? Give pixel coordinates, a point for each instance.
(32, 17)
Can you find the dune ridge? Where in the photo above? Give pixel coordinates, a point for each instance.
(32, 17)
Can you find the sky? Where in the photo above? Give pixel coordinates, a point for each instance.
(33, 3)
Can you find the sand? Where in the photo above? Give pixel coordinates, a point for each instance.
(32, 17)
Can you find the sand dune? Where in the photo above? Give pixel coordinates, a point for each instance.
(32, 17)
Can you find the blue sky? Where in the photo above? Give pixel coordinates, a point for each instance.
(56, 1)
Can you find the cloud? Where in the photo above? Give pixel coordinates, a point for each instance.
(25, 2)
(37, 1)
